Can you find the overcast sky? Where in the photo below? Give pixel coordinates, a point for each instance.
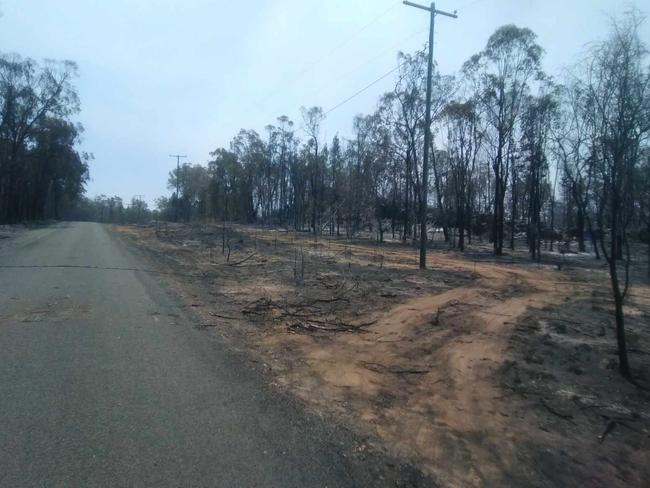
(160, 77)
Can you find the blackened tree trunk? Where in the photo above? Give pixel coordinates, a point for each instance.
(580, 229)
(618, 294)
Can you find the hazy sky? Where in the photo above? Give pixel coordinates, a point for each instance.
(159, 77)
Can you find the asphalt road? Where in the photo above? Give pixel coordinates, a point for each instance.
(105, 382)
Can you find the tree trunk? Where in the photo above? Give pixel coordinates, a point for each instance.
(624, 366)
(513, 216)
(501, 222)
(338, 222)
(407, 209)
(592, 234)
(436, 180)
(580, 234)
(495, 222)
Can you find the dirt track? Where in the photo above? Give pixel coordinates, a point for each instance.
(432, 357)
(468, 368)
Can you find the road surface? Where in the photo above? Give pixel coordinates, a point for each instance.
(105, 382)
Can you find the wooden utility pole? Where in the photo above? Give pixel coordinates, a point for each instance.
(138, 199)
(178, 177)
(427, 131)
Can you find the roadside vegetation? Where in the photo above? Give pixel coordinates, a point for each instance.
(42, 173)
(556, 164)
(519, 356)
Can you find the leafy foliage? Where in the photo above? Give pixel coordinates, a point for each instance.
(41, 172)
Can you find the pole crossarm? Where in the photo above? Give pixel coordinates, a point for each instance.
(429, 9)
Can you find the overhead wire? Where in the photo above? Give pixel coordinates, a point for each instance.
(392, 47)
(357, 33)
(363, 89)
(383, 76)
(342, 44)
(370, 85)
(468, 4)
(340, 104)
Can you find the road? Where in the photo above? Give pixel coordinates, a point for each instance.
(105, 382)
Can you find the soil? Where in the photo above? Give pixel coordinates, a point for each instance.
(481, 372)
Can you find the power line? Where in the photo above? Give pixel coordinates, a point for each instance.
(338, 79)
(365, 88)
(340, 104)
(373, 21)
(314, 63)
(382, 77)
(469, 4)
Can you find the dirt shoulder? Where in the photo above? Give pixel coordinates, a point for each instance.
(482, 373)
(10, 232)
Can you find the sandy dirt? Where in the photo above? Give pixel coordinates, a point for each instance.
(481, 372)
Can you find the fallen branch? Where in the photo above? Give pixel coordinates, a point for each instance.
(252, 312)
(237, 263)
(364, 324)
(222, 316)
(567, 417)
(612, 423)
(326, 327)
(380, 368)
(331, 300)
(608, 428)
(409, 371)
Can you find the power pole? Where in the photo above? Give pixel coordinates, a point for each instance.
(178, 177)
(427, 131)
(138, 199)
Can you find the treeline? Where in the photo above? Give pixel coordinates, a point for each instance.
(515, 153)
(41, 172)
(112, 210)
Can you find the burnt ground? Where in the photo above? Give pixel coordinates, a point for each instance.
(481, 372)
